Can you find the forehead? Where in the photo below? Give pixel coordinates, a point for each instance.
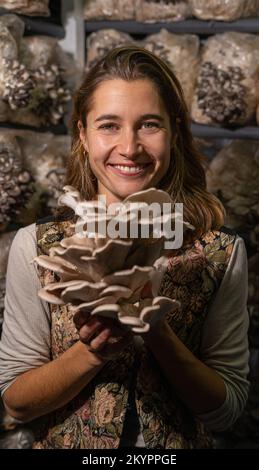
(135, 93)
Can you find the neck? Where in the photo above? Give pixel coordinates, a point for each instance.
(109, 198)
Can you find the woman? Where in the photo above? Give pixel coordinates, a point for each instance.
(100, 387)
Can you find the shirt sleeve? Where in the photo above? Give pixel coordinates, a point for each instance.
(224, 345)
(25, 341)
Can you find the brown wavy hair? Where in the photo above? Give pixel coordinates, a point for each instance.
(185, 179)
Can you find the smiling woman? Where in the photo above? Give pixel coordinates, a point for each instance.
(97, 384)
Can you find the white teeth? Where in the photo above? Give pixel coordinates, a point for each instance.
(129, 169)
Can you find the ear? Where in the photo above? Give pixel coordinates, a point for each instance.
(82, 135)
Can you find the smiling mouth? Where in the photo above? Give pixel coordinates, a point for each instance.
(130, 170)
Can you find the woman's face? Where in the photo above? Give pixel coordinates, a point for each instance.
(128, 137)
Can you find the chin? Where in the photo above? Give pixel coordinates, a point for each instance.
(127, 190)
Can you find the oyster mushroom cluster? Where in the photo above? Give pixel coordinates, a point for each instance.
(16, 183)
(45, 156)
(19, 85)
(101, 42)
(109, 10)
(41, 91)
(34, 163)
(226, 90)
(223, 10)
(50, 94)
(27, 7)
(113, 263)
(36, 76)
(55, 180)
(181, 53)
(233, 176)
(220, 94)
(162, 10)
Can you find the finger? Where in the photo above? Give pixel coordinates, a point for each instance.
(116, 326)
(80, 318)
(100, 340)
(105, 340)
(88, 330)
(108, 350)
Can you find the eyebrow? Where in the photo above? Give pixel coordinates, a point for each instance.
(104, 117)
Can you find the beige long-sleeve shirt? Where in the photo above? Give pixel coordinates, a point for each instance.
(25, 342)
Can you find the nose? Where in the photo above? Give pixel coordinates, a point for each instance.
(129, 144)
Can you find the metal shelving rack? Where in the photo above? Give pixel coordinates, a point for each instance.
(59, 129)
(211, 132)
(190, 26)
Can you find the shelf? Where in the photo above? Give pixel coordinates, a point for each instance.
(210, 132)
(250, 25)
(59, 129)
(39, 25)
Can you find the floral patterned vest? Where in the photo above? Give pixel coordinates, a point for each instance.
(94, 419)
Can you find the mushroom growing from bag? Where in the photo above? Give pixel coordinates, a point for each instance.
(106, 268)
(16, 182)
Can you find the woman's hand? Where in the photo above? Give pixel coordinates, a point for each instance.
(105, 337)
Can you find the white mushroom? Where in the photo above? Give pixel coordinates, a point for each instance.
(115, 277)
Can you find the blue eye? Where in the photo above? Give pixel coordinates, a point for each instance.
(150, 125)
